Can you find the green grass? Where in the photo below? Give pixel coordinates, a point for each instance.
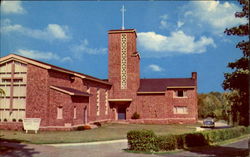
(106, 132)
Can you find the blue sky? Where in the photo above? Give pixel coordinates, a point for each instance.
(175, 38)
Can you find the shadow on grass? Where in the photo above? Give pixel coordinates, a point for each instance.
(13, 147)
(219, 151)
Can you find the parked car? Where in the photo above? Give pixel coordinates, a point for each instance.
(208, 123)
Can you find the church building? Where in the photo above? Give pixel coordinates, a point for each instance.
(65, 99)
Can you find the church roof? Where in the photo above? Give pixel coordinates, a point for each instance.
(49, 66)
(161, 85)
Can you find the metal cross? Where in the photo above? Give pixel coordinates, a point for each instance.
(123, 10)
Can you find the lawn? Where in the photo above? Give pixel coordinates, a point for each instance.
(106, 132)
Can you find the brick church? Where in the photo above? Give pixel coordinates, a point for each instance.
(65, 99)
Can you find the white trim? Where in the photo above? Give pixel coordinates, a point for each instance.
(123, 61)
(61, 90)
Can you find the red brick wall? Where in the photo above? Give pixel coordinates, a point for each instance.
(114, 64)
(158, 108)
(42, 102)
(37, 93)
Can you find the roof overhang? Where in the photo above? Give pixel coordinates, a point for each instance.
(69, 92)
(159, 92)
(25, 60)
(178, 87)
(12, 57)
(119, 100)
(122, 31)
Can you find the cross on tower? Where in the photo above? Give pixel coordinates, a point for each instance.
(123, 10)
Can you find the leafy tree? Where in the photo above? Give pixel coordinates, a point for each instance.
(238, 79)
(214, 105)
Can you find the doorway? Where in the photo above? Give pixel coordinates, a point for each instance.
(121, 113)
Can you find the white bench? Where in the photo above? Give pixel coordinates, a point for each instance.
(31, 124)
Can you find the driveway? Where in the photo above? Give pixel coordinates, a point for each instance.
(111, 149)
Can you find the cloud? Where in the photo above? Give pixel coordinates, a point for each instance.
(84, 48)
(215, 14)
(163, 22)
(42, 55)
(57, 31)
(180, 24)
(155, 68)
(12, 7)
(177, 43)
(51, 32)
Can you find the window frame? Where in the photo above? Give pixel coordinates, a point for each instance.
(184, 110)
(59, 112)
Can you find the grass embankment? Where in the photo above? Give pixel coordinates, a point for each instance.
(106, 132)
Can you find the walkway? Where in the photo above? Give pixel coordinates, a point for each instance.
(111, 149)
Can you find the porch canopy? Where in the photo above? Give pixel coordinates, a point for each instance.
(70, 91)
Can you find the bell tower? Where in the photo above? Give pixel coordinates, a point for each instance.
(123, 63)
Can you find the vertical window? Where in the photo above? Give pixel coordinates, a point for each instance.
(180, 110)
(98, 102)
(59, 112)
(106, 102)
(180, 93)
(74, 112)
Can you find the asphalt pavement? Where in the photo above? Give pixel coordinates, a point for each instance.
(113, 149)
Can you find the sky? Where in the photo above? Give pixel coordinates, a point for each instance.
(174, 38)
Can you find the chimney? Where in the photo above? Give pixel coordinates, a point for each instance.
(194, 75)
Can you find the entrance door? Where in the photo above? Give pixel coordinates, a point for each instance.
(121, 113)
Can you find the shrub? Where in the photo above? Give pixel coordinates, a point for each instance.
(180, 140)
(135, 116)
(146, 140)
(194, 139)
(166, 143)
(142, 140)
(98, 124)
(84, 127)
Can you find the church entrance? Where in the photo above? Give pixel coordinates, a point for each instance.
(121, 113)
(119, 107)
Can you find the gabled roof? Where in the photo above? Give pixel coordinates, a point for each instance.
(70, 91)
(161, 85)
(44, 65)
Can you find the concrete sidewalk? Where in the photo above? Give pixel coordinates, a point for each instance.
(87, 143)
(114, 149)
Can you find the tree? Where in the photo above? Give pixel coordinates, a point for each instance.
(213, 104)
(238, 80)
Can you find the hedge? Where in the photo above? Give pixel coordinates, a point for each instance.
(146, 140)
(142, 140)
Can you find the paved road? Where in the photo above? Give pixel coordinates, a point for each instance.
(114, 149)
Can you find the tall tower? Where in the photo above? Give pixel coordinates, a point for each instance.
(123, 63)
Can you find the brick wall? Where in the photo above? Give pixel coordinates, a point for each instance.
(37, 93)
(114, 64)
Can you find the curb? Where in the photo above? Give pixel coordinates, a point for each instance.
(87, 143)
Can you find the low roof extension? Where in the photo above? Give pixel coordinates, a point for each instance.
(162, 84)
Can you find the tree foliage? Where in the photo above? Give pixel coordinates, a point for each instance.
(213, 104)
(238, 80)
